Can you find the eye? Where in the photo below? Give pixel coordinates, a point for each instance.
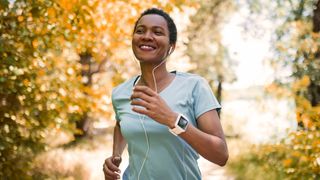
(139, 31)
(159, 33)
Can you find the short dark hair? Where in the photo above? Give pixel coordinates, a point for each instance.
(171, 25)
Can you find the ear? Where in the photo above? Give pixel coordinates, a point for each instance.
(171, 49)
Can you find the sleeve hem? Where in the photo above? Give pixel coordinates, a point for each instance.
(218, 108)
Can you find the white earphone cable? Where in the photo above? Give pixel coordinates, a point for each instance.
(154, 77)
(146, 136)
(148, 146)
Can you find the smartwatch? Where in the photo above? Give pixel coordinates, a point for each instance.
(180, 125)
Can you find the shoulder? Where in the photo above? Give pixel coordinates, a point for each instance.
(195, 83)
(191, 78)
(123, 88)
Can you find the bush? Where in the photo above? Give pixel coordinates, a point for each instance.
(293, 158)
(40, 90)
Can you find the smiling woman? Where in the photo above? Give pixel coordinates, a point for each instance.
(151, 34)
(169, 118)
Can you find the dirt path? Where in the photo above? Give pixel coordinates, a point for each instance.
(211, 171)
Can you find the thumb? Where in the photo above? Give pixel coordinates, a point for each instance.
(116, 160)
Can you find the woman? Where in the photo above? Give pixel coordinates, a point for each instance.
(166, 118)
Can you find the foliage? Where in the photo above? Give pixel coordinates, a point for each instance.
(297, 50)
(39, 89)
(204, 47)
(42, 90)
(295, 157)
(297, 47)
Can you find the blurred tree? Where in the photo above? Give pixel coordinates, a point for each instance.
(50, 53)
(297, 46)
(297, 49)
(40, 91)
(204, 47)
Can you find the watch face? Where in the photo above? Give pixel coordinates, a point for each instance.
(183, 122)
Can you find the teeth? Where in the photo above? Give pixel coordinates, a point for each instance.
(146, 47)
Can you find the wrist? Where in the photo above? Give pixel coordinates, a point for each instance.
(116, 155)
(180, 126)
(172, 120)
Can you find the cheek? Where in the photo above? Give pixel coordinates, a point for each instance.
(165, 47)
(134, 40)
(133, 44)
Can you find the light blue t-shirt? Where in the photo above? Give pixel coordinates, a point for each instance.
(169, 157)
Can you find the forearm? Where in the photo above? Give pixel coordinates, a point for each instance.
(119, 143)
(211, 147)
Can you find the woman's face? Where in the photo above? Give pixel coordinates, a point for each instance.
(150, 42)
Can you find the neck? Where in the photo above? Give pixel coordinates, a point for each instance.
(161, 73)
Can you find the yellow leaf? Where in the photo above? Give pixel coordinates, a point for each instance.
(35, 43)
(66, 4)
(20, 18)
(287, 162)
(305, 81)
(51, 12)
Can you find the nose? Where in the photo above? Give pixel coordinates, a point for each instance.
(147, 36)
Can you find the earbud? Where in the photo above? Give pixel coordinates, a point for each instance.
(170, 50)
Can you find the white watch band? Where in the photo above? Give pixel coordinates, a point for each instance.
(177, 129)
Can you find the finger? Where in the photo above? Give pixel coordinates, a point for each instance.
(117, 160)
(109, 173)
(140, 110)
(140, 103)
(111, 166)
(146, 90)
(109, 177)
(141, 95)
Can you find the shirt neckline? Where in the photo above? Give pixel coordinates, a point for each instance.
(163, 90)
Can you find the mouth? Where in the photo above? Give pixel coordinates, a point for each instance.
(145, 47)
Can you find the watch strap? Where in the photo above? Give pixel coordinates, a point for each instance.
(177, 129)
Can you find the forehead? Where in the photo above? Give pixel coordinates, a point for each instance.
(153, 20)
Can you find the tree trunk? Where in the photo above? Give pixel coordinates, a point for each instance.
(314, 87)
(84, 122)
(316, 17)
(219, 91)
(89, 68)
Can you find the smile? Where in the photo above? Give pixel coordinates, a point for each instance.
(147, 47)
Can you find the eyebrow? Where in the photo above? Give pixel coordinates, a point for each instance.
(141, 25)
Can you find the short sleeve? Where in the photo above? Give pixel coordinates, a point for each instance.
(203, 98)
(114, 104)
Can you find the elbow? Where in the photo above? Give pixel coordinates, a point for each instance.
(223, 156)
(220, 160)
(223, 160)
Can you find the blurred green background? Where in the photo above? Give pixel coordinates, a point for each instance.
(60, 60)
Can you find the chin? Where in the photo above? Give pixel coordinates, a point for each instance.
(147, 59)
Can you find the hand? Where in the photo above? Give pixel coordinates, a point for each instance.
(154, 106)
(111, 168)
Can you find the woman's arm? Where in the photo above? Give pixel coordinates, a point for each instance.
(119, 143)
(209, 139)
(111, 165)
